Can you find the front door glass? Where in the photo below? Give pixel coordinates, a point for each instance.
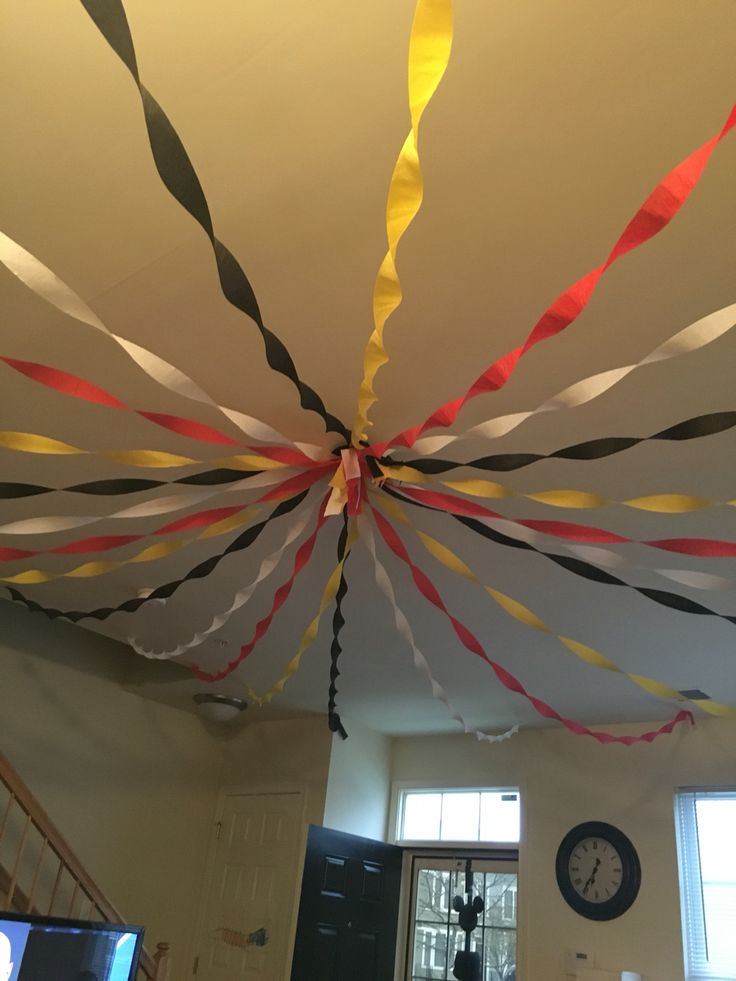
(435, 935)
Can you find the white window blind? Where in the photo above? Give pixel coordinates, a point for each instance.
(706, 841)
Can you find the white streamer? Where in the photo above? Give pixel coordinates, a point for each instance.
(147, 509)
(46, 284)
(690, 339)
(268, 566)
(420, 662)
(607, 559)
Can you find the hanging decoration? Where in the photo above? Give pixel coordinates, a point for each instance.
(369, 487)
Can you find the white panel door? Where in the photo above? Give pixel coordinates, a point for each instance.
(247, 918)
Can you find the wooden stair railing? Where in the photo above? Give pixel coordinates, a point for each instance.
(39, 872)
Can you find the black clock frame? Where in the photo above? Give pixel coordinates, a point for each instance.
(630, 871)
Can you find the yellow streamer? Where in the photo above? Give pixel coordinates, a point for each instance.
(579, 500)
(151, 553)
(310, 634)
(524, 615)
(429, 54)
(33, 443)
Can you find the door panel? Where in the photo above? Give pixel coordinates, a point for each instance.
(249, 904)
(348, 909)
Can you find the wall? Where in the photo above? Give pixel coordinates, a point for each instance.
(358, 785)
(130, 783)
(567, 779)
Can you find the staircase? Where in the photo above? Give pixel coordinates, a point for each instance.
(39, 873)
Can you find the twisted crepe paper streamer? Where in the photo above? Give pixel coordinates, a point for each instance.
(151, 553)
(310, 634)
(46, 284)
(199, 519)
(420, 662)
(611, 560)
(301, 559)
(692, 338)
(429, 54)
(655, 214)
(592, 449)
(334, 722)
(661, 503)
(177, 173)
(152, 459)
(575, 499)
(166, 590)
(268, 566)
(164, 505)
(211, 519)
(10, 490)
(578, 567)
(524, 615)
(471, 643)
(710, 547)
(66, 384)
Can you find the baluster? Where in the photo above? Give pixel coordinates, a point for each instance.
(32, 891)
(74, 897)
(5, 816)
(57, 882)
(18, 857)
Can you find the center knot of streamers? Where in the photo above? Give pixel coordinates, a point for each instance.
(347, 485)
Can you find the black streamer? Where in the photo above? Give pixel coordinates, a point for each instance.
(125, 485)
(592, 449)
(338, 622)
(577, 566)
(200, 571)
(179, 177)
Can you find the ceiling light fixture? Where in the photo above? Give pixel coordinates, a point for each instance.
(219, 708)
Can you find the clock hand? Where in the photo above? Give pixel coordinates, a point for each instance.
(591, 877)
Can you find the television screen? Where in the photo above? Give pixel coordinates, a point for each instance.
(40, 948)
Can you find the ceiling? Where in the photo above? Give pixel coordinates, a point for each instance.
(554, 121)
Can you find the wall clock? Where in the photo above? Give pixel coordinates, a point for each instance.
(598, 870)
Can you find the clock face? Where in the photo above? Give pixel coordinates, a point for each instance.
(595, 869)
(598, 870)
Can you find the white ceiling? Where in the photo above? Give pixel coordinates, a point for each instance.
(554, 122)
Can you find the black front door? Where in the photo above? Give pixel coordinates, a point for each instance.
(348, 910)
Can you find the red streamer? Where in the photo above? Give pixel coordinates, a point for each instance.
(200, 519)
(655, 214)
(471, 642)
(709, 547)
(66, 384)
(301, 558)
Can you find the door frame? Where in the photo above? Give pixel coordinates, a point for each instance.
(250, 790)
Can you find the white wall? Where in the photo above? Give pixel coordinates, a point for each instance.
(565, 780)
(130, 784)
(359, 783)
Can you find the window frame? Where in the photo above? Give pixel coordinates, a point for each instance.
(399, 790)
(694, 935)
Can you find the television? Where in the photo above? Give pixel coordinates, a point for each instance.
(43, 948)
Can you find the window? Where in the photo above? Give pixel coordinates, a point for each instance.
(435, 936)
(459, 815)
(707, 858)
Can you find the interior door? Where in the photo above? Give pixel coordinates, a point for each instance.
(248, 908)
(348, 910)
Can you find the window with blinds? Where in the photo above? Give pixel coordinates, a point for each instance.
(706, 844)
